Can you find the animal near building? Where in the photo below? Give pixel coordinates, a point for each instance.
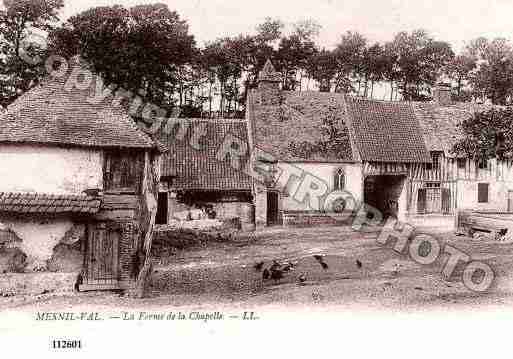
(75, 174)
(305, 147)
(394, 156)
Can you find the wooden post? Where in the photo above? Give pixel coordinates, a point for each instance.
(150, 183)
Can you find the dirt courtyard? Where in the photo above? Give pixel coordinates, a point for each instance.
(223, 274)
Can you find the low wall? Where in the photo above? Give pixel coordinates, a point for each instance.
(36, 283)
(432, 222)
(312, 219)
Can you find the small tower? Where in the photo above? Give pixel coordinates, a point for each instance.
(269, 84)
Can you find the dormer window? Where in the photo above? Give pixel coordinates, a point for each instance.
(339, 180)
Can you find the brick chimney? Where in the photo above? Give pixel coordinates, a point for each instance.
(442, 94)
(269, 84)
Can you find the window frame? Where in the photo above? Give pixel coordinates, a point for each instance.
(339, 179)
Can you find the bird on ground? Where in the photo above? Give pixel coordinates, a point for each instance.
(276, 274)
(275, 265)
(358, 263)
(302, 278)
(266, 274)
(258, 267)
(288, 267)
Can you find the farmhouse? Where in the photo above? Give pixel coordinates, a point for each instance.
(75, 175)
(306, 149)
(394, 156)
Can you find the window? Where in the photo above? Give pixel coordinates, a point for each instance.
(482, 192)
(339, 180)
(435, 160)
(433, 185)
(462, 163)
(123, 172)
(482, 164)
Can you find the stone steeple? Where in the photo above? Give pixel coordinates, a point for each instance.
(269, 73)
(269, 85)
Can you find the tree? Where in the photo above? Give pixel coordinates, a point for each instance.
(142, 48)
(323, 68)
(493, 78)
(20, 20)
(295, 53)
(350, 57)
(419, 62)
(487, 135)
(459, 70)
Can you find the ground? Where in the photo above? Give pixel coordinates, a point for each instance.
(223, 275)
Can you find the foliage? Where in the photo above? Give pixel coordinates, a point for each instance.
(493, 77)
(487, 134)
(19, 21)
(419, 62)
(142, 48)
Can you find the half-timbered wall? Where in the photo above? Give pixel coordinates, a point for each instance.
(449, 184)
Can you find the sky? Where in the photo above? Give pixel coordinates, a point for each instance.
(455, 21)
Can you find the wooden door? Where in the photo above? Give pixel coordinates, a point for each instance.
(102, 257)
(272, 208)
(433, 200)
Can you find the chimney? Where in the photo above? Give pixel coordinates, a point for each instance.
(269, 84)
(442, 94)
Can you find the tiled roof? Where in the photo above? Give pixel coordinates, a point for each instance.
(192, 159)
(303, 126)
(48, 204)
(439, 124)
(386, 131)
(50, 114)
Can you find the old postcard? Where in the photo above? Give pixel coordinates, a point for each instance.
(249, 178)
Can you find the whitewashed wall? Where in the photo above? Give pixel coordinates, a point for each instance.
(322, 171)
(497, 195)
(43, 169)
(50, 170)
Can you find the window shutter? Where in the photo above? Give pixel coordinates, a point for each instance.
(421, 200)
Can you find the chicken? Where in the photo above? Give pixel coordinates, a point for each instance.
(276, 275)
(258, 267)
(288, 267)
(266, 274)
(302, 278)
(275, 266)
(319, 258)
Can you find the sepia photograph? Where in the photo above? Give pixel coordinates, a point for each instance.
(248, 178)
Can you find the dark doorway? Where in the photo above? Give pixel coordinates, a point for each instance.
(383, 192)
(272, 208)
(161, 217)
